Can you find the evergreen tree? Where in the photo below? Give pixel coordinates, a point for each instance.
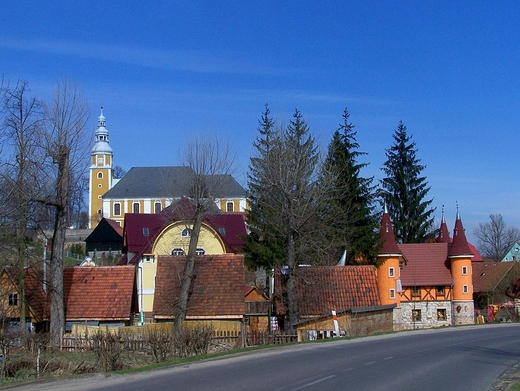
(354, 225)
(284, 194)
(404, 190)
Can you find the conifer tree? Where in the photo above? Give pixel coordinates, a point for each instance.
(284, 194)
(354, 225)
(404, 190)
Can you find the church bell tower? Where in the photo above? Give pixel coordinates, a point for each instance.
(101, 172)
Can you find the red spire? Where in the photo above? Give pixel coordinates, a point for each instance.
(444, 235)
(387, 237)
(459, 244)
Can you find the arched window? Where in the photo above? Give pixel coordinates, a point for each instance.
(230, 206)
(100, 175)
(135, 207)
(177, 251)
(158, 207)
(186, 232)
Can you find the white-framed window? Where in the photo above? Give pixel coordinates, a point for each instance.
(157, 207)
(100, 175)
(230, 206)
(465, 289)
(135, 207)
(117, 209)
(391, 272)
(177, 251)
(392, 294)
(186, 233)
(464, 270)
(200, 251)
(100, 185)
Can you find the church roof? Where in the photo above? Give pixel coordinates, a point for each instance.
(101, 145)
(169, 182)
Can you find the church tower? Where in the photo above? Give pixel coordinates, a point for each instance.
(101, 172)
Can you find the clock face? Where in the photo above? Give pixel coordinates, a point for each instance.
(100, 160)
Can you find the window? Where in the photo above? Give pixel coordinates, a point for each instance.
(13, 299)
(391, 272)
(440, 290)
(464, 270)
(100, 175)
(441, 314)
(100, 185)
(200, 251)
(416, 291)
(136, 207)
(117, 209)
(99, 212)
(392, 294)
(230, 206)
(401, 265)
(416, 315)
(177, 251)
(465, 289)
(148, 259)
(99, 196)
(157, 207)
(146, 231)
(186, 232)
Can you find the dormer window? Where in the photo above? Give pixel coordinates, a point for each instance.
(146, 231)
(186, 232)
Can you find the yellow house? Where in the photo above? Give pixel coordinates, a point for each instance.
(148, 236)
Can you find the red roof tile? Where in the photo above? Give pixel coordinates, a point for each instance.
(100, 293)
(487, 275)
(387, 237)
(217, 287)
(427, 264)
(35, 296)
(320, 289)
(459, 245)
(444, 235)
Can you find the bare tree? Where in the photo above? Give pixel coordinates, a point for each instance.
(211, 161)
(20, 129)
(495, 239)
(66, 144)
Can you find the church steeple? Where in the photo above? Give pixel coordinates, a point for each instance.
(101, 171)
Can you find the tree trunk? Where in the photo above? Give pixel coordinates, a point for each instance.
(187, 277)
(58, 245)
(292, 300)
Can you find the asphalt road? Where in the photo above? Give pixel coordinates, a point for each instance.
(462, 358)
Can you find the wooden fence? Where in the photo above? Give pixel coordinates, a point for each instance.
(138, 342)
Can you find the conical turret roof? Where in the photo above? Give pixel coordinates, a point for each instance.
(459, 245)
(444, 235)
(387, 237)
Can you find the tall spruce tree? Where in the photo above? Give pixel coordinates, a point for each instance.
(404, 190)
(284, 193)
(351, 210)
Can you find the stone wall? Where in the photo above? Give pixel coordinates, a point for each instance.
(428, 314)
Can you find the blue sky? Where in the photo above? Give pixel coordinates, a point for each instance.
(165, 71)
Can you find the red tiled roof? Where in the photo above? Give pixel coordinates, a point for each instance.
(320, 289)
(459, 244)
(217, 287)
(230, 227)
(427, 264)
(487, 275)
(387, 237)
(100, 293)
(444, 235)
(115, 225)
(35, 296)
